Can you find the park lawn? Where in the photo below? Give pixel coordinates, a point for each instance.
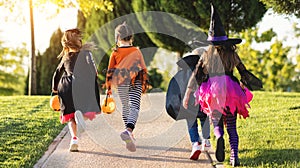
(270, 137)
(27, 127)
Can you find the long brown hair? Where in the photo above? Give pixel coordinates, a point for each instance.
(219, 59)
(72, 39)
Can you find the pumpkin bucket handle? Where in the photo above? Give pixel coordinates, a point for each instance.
(107, 96)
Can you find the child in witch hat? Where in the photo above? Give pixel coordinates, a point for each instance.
(220, 95)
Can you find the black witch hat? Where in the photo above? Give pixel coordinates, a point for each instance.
(216, 33)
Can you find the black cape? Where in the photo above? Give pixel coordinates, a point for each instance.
(85, 89)
(176, 91)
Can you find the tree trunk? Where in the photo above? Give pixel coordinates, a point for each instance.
(32, 73)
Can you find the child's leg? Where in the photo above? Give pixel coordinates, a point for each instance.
(233, 135)
(134, 104)
(194, 137)
(193, 132)
(205, 128)
(217, 120)
(72, 128)
(124, 97)
(205, 125)
(131, 102)
(73, 131)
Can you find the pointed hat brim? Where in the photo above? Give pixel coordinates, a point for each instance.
(228, 41)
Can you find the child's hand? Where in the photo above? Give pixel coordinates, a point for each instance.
(109, 92)
(242, 85)
(185, 101)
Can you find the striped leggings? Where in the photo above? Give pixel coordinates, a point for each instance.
(230, 120)
(130, 96)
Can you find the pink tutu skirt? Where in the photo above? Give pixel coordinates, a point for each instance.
(222, 93)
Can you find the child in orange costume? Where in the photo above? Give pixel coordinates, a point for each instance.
(127, 72)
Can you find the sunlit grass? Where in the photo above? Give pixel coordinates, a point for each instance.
(27, 127)
(270, 136)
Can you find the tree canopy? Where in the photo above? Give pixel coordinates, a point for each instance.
(47, 63)
(284, 6)
(272, 66)
(235, 15)
(83, 5)
(12, 75)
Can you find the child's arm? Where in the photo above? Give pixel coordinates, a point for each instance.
(109, 73)
(247, 78)
(192, 84)
(56, 76)
(241, 67)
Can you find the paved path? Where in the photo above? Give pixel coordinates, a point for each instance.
(161, 142)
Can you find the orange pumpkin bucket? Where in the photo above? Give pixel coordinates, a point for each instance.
(54, 103)
(108, 105)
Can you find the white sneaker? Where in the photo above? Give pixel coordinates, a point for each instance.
(195, 151)
(81, 126)
(205, 146)
(127, 137)
(74, 145)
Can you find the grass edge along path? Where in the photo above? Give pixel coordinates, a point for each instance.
(28, 126)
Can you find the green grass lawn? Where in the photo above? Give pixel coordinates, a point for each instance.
(268, 138)
(27, 127)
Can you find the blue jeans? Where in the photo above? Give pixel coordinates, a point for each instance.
(205, 128)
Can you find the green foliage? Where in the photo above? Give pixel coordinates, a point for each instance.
(236, 16)
(166, 30)
(12, 76)
(46, 64)
(278, 68)
(99, 28)
(272, 66)
(284, 6)
(155, 79)
(27, 126)
(85, 6)
(19, 15)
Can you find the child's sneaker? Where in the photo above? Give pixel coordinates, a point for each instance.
(81, 126)
(127, 137)
(220, 152)
(195, 151)
(235, 162)
(74, 145)
(205, 146)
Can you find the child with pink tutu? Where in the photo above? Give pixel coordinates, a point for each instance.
(220, 95)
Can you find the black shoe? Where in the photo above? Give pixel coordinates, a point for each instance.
(235, 162)
(220, 152)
